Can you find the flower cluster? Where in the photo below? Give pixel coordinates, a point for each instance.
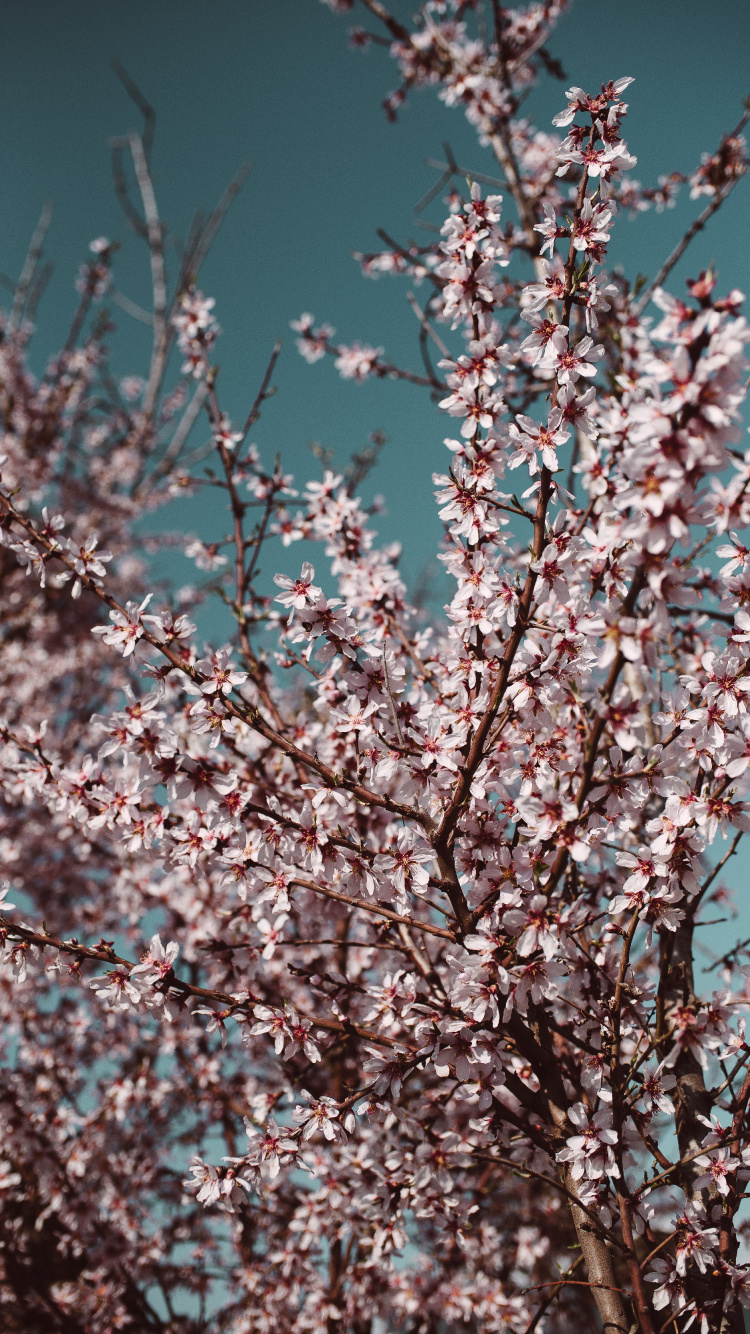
(418, 1041)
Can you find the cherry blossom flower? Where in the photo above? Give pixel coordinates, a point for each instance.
(534, 439)
(271, 1146)
(300, 592)
(406, 864)
(219, 677)
(224, 436)
(197, 331)
(571, 363)
(549, 229)
(578, 100)
(312, 342)
(157, 963)
(320, 1114)
(590, 1151)
(357, 362)
(117, 989)
(215, 1185)
(355, 716)
(126, 628)
(654, 1091)
(670, 1289)
(88, 563)
(717, 1167)
(591, 225)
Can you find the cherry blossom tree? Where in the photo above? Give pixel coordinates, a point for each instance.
(350, 982)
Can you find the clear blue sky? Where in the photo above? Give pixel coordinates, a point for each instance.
(274, 80)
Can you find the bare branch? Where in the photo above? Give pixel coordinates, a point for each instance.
(29, 269)
(143, 105)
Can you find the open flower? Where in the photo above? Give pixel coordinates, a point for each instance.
(126, 628)
(319, 1114)
(533, 440)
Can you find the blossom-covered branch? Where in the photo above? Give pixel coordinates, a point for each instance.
(428, 1015)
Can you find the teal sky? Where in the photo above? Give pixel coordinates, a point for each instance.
(274, 81)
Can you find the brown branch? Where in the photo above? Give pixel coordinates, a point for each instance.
(521, 1170)
(573, 1283)
(551, 1297)
(640, 1300)
(476, 753)
(415, 923)
(395, 28)
(172, 983)
(248, 713)
(263, 393)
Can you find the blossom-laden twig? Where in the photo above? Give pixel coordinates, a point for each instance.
(442, 876)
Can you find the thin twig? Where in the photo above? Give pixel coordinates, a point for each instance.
(30, 266)
(131, 307)
(264, 392)
(206, 235)
(414, 922)
(176, 444)
(425, 323)
(719, 866)
(171, 982)
(551, 1297)
(158, 271)
(142, 103)
(465, 171)
(693, 230)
